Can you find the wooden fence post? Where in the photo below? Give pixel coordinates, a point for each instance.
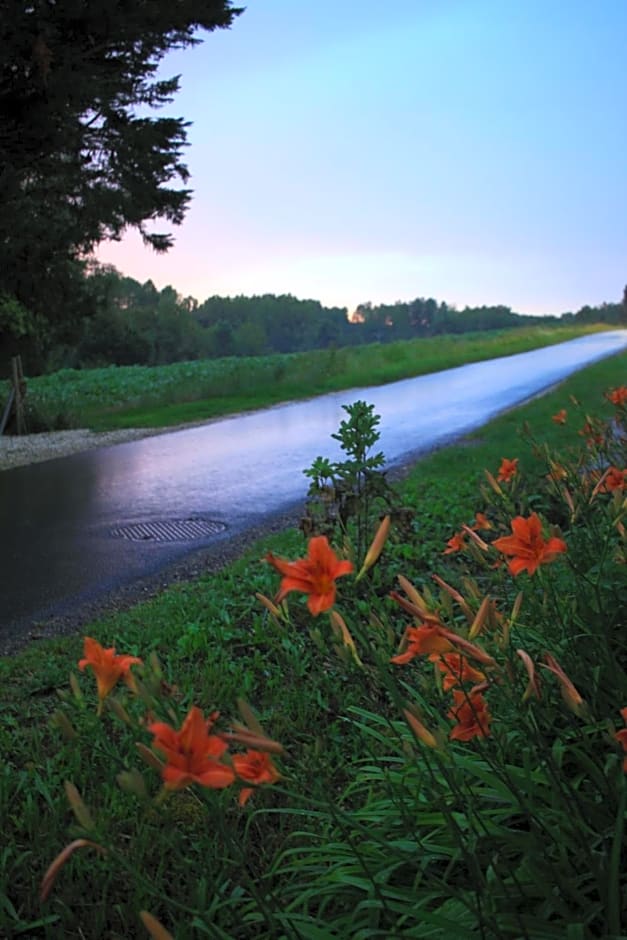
(8, 408)
(19, 387)
(15, 401)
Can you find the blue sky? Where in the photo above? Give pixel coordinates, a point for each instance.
(469, 150)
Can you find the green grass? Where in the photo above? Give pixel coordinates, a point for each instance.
(143, 396)
(216, 643)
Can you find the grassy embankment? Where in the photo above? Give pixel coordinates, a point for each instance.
(160, 396)
(381, 849)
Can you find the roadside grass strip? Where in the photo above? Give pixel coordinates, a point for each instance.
(160, 396)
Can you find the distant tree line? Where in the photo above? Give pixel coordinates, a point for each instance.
(135, 323)
(421, 317)
(124, 322)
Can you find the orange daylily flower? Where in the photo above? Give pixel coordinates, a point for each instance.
(420, 641)
(314, 575)
(507, 470)
(613, 479)
(618, 396)
(527, 546)
(472, 715)
(621, 737)
(107, 666)
(435, 639)
(481, 522)
(254, 767)
(455, 544)
(456, 669)
(560, 417)
(592, 433)
(192, 754)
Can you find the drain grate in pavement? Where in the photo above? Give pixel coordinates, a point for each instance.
(171, 530)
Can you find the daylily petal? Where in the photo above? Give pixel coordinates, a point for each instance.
(192, 753)
(403, 658)
(527, 546)
(517, 565)
(314, 575)
(507, 470)
(317, 603)
(216, 777)
(421, 642)
(244, 795)
(254, 767)
(281, 564)
(106, 665)
(472, 716)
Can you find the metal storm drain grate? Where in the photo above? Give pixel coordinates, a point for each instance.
(172, 530)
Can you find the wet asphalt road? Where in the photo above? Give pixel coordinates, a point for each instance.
(58, 518)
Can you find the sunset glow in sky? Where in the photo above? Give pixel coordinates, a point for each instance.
(351, 150)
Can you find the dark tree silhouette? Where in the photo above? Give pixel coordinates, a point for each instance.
(81, 159)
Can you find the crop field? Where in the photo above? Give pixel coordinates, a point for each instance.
(157, 396)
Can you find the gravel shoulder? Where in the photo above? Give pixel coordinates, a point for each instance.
(35, 448)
